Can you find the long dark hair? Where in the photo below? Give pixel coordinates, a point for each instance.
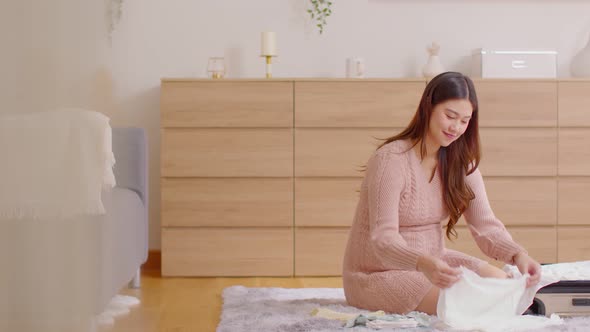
(461, 157)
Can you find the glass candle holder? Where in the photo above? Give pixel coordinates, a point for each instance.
(216, 67)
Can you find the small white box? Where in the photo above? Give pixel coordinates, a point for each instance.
(514, 64)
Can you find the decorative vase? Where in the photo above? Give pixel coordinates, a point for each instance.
(581, 62)
(433, 67)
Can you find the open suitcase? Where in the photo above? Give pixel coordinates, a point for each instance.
(566, 298)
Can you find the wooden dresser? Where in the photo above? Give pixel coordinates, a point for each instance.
(260, 177)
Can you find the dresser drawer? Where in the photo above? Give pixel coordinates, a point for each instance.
(227, 252)
(574, 204)
(574, 151)
(523, 201)
(226, 104)
(517, 103)
(356, 104)
(519, 151)
(540, 242)
(335, 152)
(227, 202)
(574, 104)
(320, 251)
(574, 244)
(326, 201)
(227, 152)
(515, 200)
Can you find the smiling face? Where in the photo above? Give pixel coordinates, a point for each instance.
(448, 121)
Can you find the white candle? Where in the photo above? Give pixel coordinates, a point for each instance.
(269, 44)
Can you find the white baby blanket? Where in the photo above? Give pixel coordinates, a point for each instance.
(55, 164)
(491, 304)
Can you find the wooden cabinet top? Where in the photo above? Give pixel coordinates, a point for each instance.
(341, 79)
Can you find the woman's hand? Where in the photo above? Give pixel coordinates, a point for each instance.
(528, 265)
(438, 272)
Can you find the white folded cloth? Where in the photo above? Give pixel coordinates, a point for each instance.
(491, 304)
(55, 164)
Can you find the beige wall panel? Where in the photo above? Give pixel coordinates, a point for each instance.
(574, 104)
(517, 103)
(523, 201)
(326, 202)
(519, 152)
(540, 242)
(226, 104)
(227, 152)
(227, 252)
(574, 151)
(319, 251)
(574, 201)
(356, 104)
(574, 244)
(225, 202)
(335, 152)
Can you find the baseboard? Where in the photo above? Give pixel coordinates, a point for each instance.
(154, 260)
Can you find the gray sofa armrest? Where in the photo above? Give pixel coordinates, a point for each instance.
(131, 160)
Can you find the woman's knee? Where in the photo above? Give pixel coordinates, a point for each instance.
(429, 302)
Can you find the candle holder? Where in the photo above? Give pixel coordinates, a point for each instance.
(268, 65)
(216, 67)
(268, 49)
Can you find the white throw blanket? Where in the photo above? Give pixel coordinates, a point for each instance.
(55, 164)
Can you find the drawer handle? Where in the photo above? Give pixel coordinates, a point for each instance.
(581, 302)
(518, 64)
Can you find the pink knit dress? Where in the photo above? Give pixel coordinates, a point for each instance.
(400, 217)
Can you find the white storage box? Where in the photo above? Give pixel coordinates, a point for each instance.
(514, 64)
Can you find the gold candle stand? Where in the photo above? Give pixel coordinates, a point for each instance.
(268, 65)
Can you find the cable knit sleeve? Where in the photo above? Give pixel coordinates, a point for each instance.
(386, 174)
(488, 231)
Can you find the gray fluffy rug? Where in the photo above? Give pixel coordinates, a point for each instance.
(288, 310)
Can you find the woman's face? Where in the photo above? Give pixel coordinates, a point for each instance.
(449, 120)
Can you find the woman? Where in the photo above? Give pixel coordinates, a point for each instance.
(415, 182)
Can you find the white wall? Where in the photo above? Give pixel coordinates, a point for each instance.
(53, 52)
(175, 38)
(156, 39)
(13, 36)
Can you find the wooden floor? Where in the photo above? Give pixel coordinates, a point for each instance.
(192, 304)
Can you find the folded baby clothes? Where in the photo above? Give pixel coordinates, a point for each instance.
(411, 319)
(402, 323)
(490, 304)
(343, 316)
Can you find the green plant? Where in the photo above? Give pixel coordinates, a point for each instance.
(319, 12)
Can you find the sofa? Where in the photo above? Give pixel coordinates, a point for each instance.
(57, 275)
